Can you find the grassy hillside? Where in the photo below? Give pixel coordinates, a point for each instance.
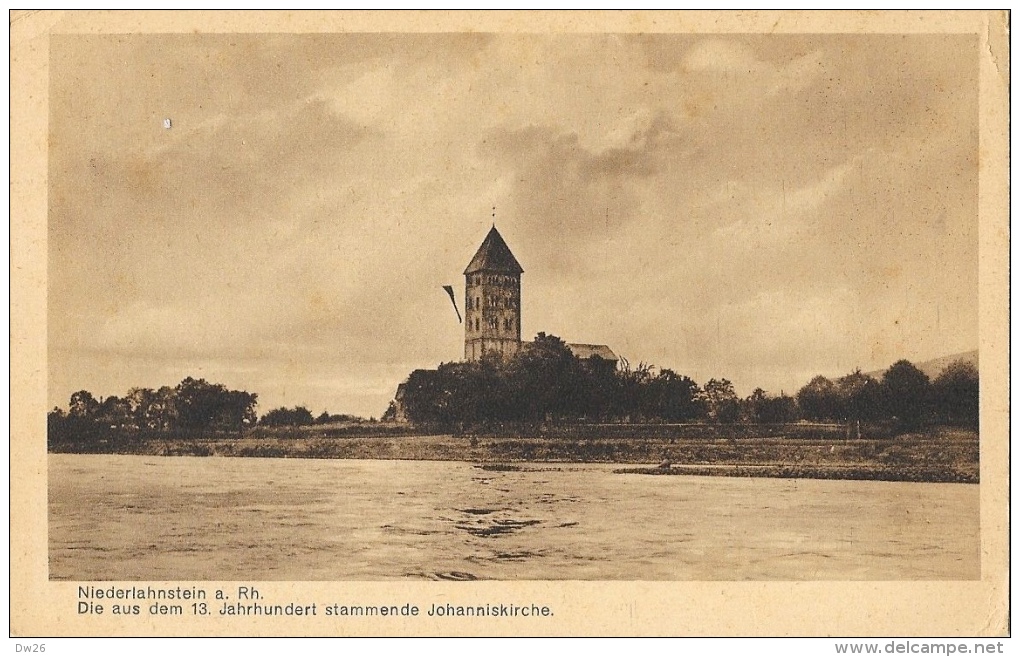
(935, 366)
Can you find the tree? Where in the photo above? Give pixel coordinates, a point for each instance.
(632, 398)
(78, 428)
(675, 398)
(236, 410)
(279, 417)
(955, 393)
(766, 409)
(196, 403)
(907, 393)
(598, 388)
(721, 399)
(544, 379)
(162, 411)
(820, 400)
(140, 402)
(781, 409)
(427, 397)
(56, 427)
(83, 405)
(754, 405)
(860, 397)
(114, 412)
(201, 405)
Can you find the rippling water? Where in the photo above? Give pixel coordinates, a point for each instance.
(184, 518)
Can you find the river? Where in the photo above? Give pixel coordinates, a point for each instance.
(116, 517)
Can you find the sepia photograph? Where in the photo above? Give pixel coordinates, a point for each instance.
(480, 305)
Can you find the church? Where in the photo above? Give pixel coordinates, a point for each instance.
(492, 301)
(492, 315)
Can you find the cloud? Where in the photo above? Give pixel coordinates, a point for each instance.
(768, 216)
(243, 167)
(568, 197)
(763, 208)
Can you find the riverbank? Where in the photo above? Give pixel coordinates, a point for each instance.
(943, 455)
(915, 473)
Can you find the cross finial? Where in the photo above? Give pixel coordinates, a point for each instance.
(494, 216)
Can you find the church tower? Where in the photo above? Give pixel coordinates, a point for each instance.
(492, 300)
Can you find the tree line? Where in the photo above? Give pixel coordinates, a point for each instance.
(546, 381)
(300, 416)
(192, 406)
(904, 394)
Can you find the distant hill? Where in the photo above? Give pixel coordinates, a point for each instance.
(935, 366)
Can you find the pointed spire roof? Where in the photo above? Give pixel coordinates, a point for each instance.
(494, 255)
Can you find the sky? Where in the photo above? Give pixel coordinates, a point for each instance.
(763, 208)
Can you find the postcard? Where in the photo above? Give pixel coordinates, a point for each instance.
(509, 324)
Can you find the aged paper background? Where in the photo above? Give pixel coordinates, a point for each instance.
(40, 607)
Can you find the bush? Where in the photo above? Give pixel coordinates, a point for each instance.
(291, 417)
